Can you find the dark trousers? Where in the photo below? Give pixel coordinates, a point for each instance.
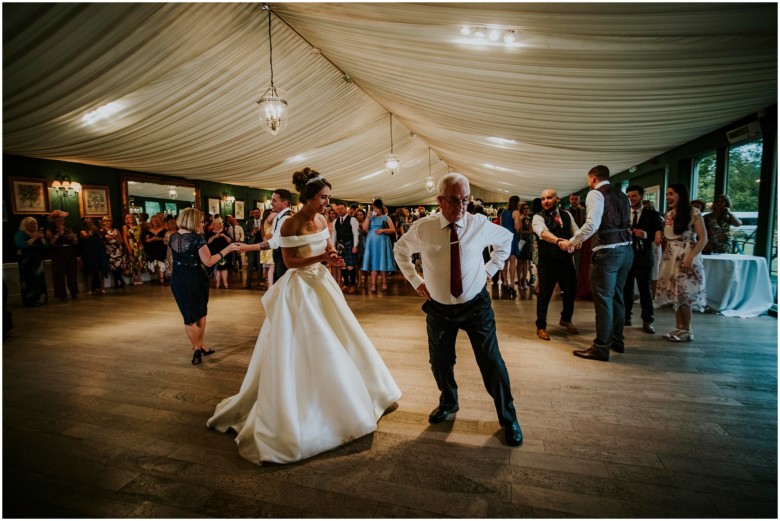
(279, 267)
(64, 271)
(252, 265)
(477, 320)
(554, 271)
(608, 271)
(642, 275)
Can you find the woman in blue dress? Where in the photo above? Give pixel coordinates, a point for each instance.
(378, 249)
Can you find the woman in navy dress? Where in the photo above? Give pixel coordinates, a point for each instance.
(511, 221)
(189, 282)
(378, 249)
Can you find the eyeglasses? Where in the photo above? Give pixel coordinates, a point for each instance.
(454, 201)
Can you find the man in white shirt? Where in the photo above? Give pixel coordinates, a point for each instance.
(347, 236)
(253, 231)
(280, 203)
(451, 244)
(608, 222)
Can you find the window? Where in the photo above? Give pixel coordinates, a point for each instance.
(742, 186)
(704, 172)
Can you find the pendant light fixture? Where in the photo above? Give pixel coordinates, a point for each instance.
(273, 108)
(392, 164)
(430, 184)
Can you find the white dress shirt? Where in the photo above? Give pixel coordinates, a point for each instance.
(430, 237)
(273, 242)
(538, 224)
(595, 204)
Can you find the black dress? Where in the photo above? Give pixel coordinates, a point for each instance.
(189, 283)
(31, 275)
(216, 246)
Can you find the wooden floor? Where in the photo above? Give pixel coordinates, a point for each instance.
(104, 416)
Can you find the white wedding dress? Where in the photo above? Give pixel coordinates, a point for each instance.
(315, 380)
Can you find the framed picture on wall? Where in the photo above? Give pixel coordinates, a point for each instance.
(29, 195)
(151, 207)
(171, 209)
(238, 208)
(213, 205)
(260, 204)
(94, 201)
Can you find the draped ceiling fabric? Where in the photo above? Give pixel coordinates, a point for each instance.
(585, 84)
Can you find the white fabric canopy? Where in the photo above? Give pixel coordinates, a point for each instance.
(585, 84)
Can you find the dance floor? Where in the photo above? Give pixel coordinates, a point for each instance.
(104, 416)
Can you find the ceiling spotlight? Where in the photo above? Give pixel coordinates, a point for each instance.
(347, 78)
(509, 36)
(494, 35)
(466, 30)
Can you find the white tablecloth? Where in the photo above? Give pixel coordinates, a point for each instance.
(737, 285)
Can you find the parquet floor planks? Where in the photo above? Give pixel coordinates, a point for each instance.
(104, 416)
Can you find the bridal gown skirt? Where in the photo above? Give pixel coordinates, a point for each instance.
(315, 380)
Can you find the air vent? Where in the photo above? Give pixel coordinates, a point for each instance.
(744, 132)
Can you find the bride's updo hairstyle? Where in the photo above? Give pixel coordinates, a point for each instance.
(308, 183)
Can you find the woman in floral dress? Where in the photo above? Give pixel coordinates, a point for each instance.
(115, 249)
(131, 231)
(681, 281)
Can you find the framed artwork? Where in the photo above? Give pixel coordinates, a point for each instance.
(151, 207)
(171, 209)
(29, 195)
(94, 201)
(238, 210)
(213, 205)
(260, 204)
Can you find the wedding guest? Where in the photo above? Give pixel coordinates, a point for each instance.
(607, 221)
(64, 256)
(236, 234)
(115, 251)
(170, 229)
(93, 256)
(510, 219)
(456, 296)
(253, 233)
(131, 233)
(189, 282)
(526, 235)
(378, 250)
(718, 224)
(681, 281)
(657, 250)
(556, 263)
(362, 276)
(217, 242)
(267, 256)
(31, 250)
(154, 246)
(699, 205)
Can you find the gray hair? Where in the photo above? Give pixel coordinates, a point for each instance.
(451, 179)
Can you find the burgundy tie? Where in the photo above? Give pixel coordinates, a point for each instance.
(456, 280)
(557, 218)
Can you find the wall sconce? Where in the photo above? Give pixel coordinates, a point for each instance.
(64, 187)
(227, 198)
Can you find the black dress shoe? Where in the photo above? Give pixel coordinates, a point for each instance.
(592, 354)
(648, 328)
(513, 435)
(618, 349)
(440, 414)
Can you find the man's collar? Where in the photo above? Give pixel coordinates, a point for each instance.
(445, 223)
(604, 182)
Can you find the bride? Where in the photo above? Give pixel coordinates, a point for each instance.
(315, 380)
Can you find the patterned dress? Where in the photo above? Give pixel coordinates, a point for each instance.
(675, 286)
(137, 260)
(115, 249)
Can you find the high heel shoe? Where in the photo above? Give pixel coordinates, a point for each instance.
(197, 357)
(207, 351)
(384, 289)
(373, 288)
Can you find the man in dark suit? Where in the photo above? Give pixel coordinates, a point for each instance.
(451, 243)
(253, 233)
(646, 228)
